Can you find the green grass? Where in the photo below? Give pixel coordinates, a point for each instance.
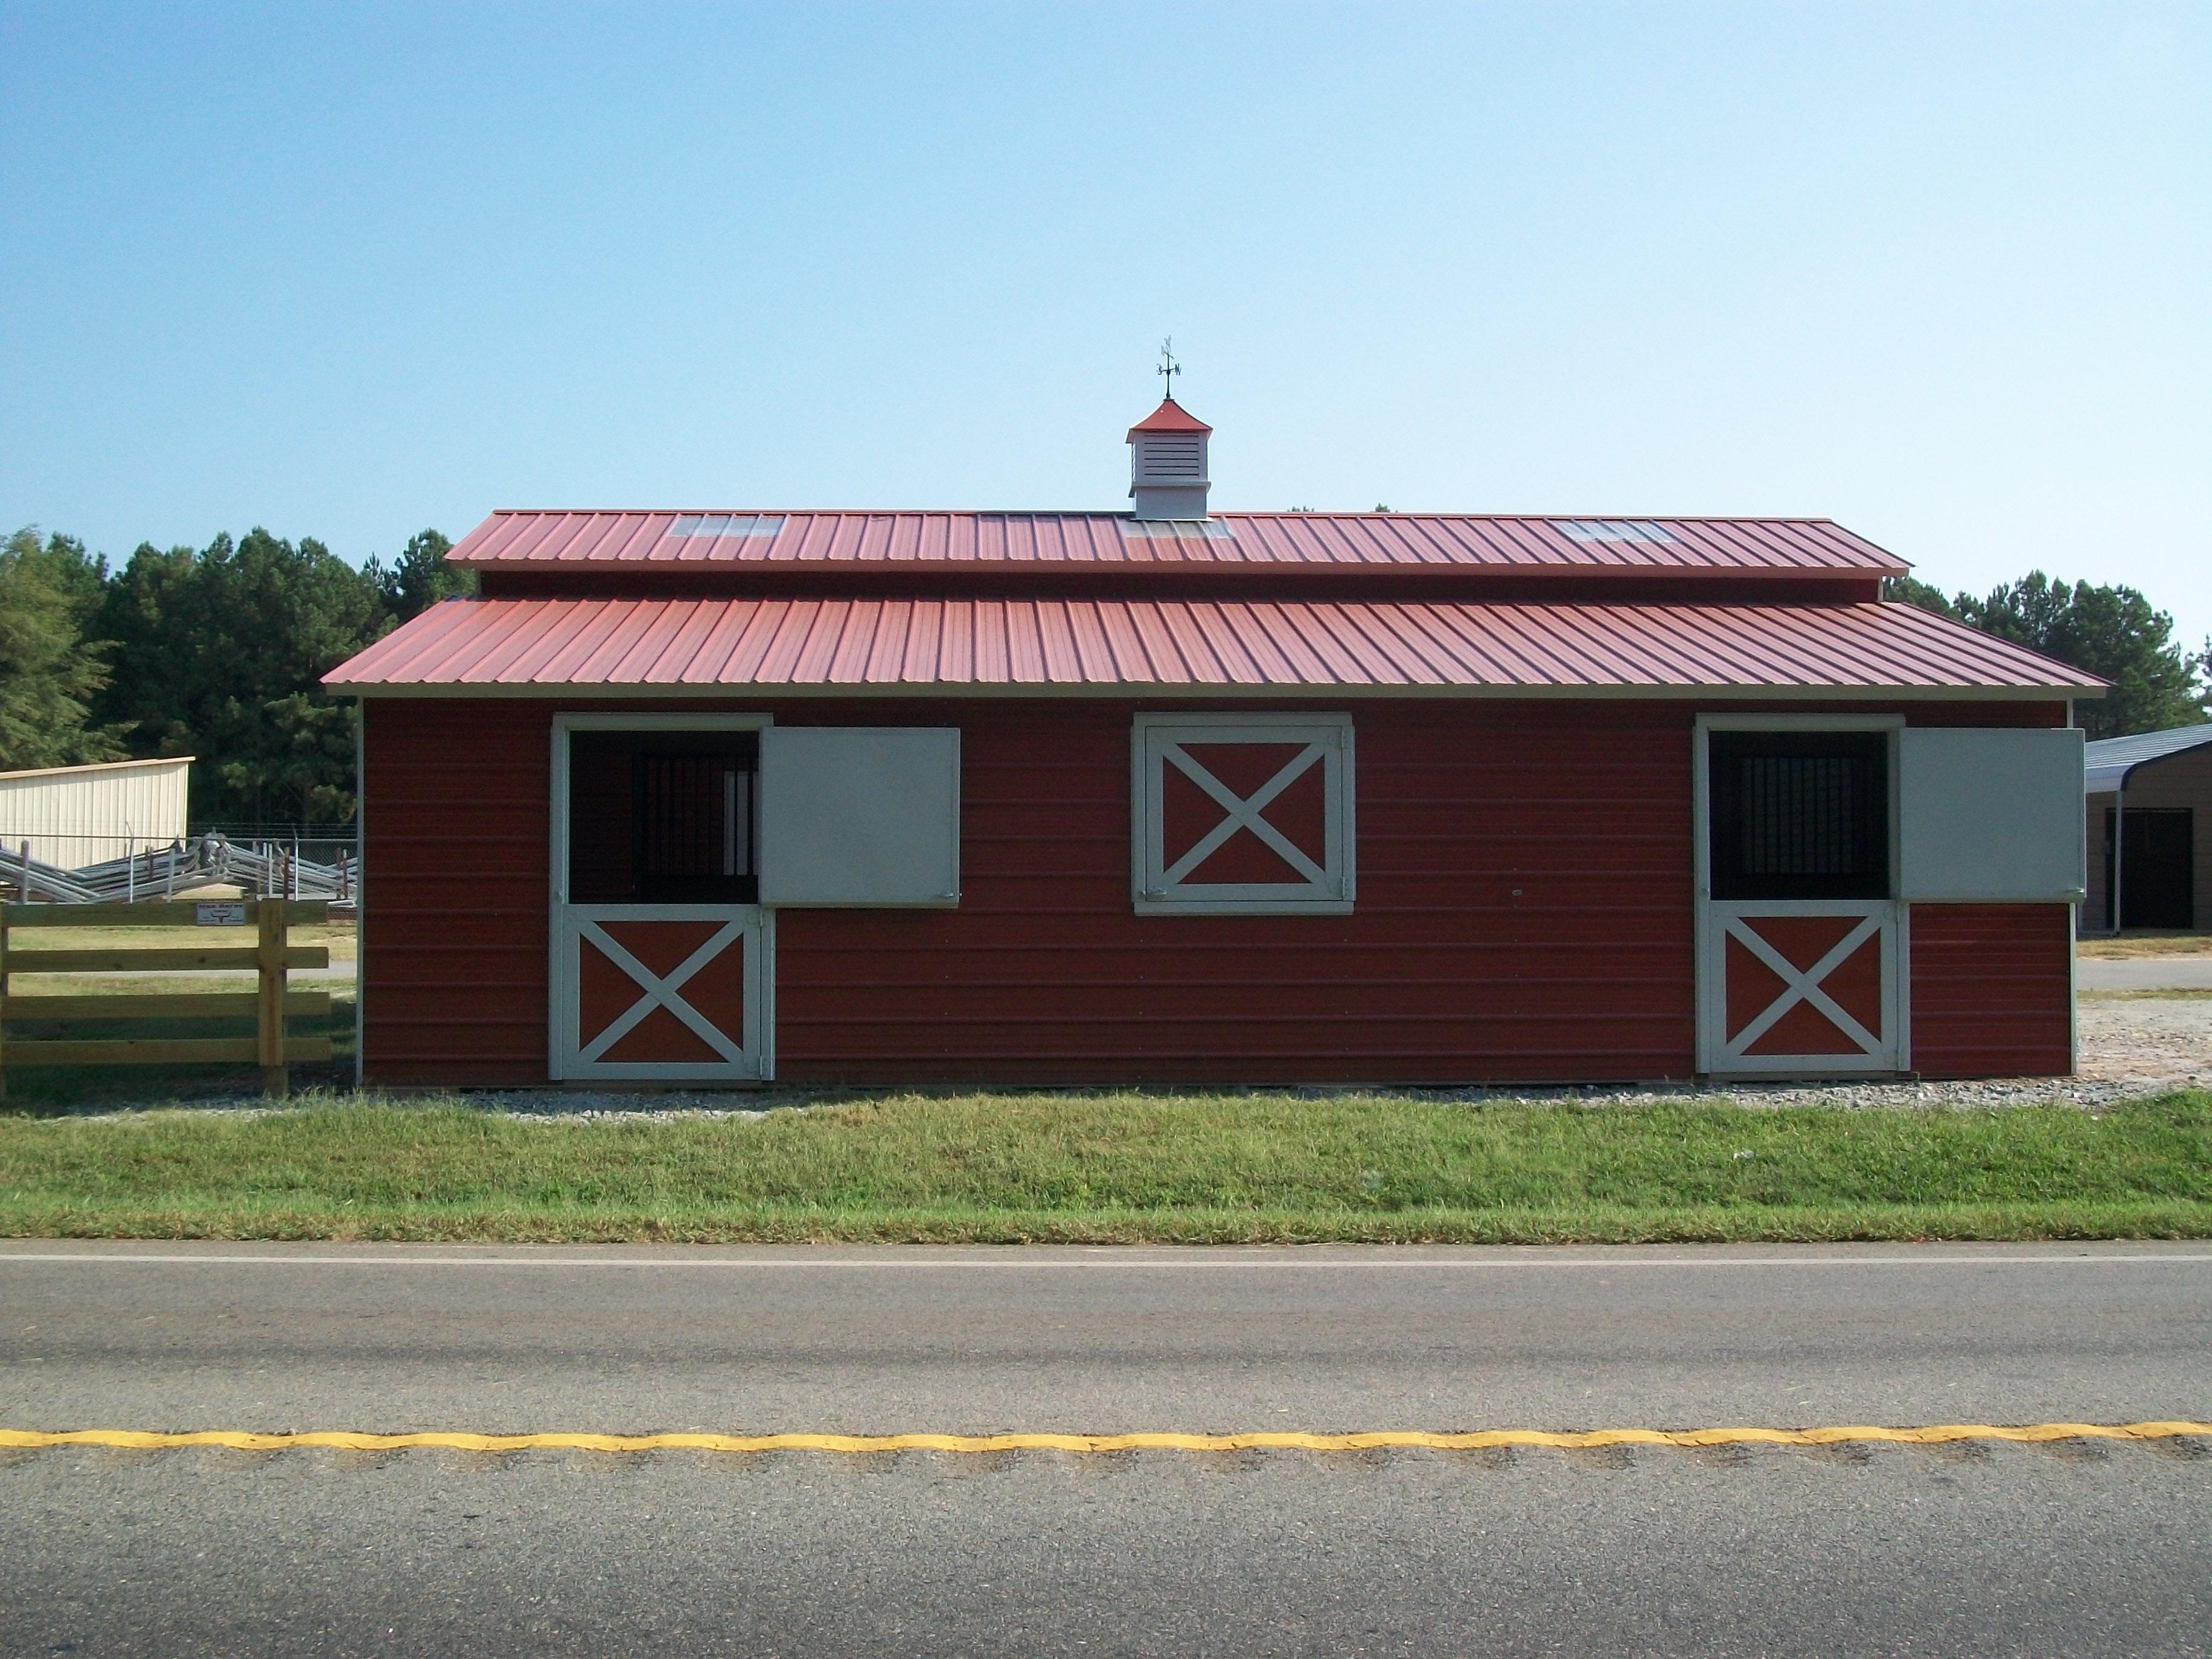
(1122, 1169)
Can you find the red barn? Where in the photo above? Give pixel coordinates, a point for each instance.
(1162, 797)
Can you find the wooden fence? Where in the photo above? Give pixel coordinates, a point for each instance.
(270, 1004)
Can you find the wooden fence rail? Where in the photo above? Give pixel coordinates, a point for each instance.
(270, 1004)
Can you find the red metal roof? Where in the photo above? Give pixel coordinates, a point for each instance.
(1170, 417)
(1108, 645)
(705, 540)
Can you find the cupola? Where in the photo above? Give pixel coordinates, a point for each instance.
(1167, 464)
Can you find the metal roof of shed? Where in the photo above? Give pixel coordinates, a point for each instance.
(1115, 646)
(2111, 759)
(89, 767)
(706, 539)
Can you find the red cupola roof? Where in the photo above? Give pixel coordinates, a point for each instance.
(1170, 417)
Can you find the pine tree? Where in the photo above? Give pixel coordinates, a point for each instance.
(2111, 631)
(420, 576)
(49, 674)
(224, 651)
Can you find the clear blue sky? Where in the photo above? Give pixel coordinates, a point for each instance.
(1941, 273)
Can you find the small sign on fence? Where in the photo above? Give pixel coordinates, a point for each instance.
(220, 913)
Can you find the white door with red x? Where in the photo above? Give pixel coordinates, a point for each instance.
(1807, 987)
(660, 992)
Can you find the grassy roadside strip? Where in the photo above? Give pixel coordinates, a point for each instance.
(2145, 944)
(1122, 1169)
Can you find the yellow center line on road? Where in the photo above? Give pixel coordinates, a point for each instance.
(1474, 1440)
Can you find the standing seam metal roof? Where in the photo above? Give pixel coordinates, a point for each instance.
(1105, 645)
(572, 540)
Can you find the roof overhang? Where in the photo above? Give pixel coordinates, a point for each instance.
(1105, 648)
(2112, 777)
(1841, 696)
(98, 766)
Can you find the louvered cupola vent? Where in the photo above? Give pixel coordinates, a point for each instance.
(1180, 459)
(1167, 464)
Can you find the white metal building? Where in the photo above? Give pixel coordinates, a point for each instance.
(2150, 830)
(73, 816)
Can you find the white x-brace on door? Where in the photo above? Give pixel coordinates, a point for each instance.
(1801, 986)
(659, 993)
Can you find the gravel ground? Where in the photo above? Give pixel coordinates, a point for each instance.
(2130, 1047)
(2164, 1043)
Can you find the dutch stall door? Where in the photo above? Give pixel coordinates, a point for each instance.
(1800, 936)
(659, 943)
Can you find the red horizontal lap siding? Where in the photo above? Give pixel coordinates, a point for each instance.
(1443, 973)
(454, 943)
(1992, 990)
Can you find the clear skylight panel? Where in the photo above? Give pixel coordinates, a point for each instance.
(1176, 530)
(715, 526)
(1613, 530)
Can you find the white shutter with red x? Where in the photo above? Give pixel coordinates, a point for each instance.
(1249, 813)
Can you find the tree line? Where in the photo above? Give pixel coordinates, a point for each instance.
(219, 652)
(2113, 632)
(216, 652)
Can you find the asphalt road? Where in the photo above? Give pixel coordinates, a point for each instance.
(2079, 1547)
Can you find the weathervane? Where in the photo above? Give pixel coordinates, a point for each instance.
(1168, 366)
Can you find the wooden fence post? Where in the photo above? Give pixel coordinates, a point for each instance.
(275, 935)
